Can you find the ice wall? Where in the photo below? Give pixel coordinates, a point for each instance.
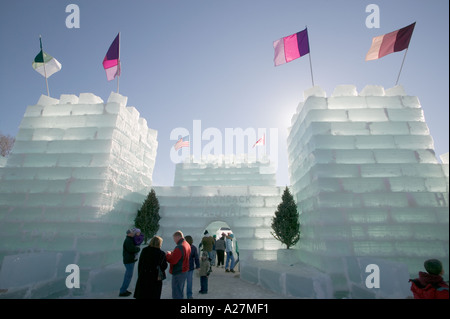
(248, 210)
(366, 179)
(226, 170)
(79, 171)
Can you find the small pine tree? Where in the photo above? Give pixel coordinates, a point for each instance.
(285, 224)
(147, 218)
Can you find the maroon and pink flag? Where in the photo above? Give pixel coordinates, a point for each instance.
(111, 62)
(291, 47)
(390, 42)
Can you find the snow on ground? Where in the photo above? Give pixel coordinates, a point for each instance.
(221, 285)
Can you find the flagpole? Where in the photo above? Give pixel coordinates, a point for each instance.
(401, 67)
(118, 76)
(310, 64)
(45, 72)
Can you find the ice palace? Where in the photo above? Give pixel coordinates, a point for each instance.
(362, 167)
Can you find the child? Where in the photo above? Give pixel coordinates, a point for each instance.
(137, 239)
(204, 273)
(430, 284)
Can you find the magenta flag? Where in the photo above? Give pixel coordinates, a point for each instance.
(111, 62)
(291, 47)
(390, 42)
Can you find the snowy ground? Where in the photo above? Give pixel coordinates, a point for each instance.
(221, 285)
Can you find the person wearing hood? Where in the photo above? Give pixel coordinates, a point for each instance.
(430, 285)
(230, 256)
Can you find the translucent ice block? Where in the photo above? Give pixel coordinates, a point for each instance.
(392, 102)
(89, 98)
(345, 90)
(389, 128)
(414, 115)
(68, 99)
(372, 90)
(347, 102)
(57, 110)
(45, 100)
(367, 115)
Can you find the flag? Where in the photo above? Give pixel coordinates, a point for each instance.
(261, 141)
(45, 64)
(111, 62)
(182, 142)
(390, 42)
(291, 47)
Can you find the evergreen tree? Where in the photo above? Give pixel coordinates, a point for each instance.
(147, 219)
(285, 224)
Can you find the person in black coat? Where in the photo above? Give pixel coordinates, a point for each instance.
(148, 286)
(128, 253)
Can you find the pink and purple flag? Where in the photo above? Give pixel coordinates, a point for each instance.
(390, 42)
(111, 62)
(291, 47)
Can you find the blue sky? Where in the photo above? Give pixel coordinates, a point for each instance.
(210, 60)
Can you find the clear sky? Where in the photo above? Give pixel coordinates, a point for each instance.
(210, 60)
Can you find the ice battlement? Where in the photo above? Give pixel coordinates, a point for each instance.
(78, 172)
(366, 178)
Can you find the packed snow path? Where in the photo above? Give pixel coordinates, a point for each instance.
(221, 285)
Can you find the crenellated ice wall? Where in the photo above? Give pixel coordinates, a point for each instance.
(79, 171)
(366, 179)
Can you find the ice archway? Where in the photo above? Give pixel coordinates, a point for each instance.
(247, 210)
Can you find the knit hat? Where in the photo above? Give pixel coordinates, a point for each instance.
(433, 266)
(136, 230)
(130, 231)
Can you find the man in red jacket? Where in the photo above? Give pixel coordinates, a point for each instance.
(179, 264)
(430, 284)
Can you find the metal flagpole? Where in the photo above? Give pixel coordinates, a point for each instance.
(398, 77)
(118, 75)
(310, 64)
(45, 72)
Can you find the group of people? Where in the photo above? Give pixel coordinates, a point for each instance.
(218, 248)
(183, 261)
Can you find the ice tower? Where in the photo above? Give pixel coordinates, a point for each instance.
(79, 171)
(366, 180)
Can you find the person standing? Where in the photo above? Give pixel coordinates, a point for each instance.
(194, 263)
(151, 262)
(179, 264)
(138, 239)
(220, 249)
(204, 273)
(213, 252)
(230, 257)
(208, 244)
(128, 253)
